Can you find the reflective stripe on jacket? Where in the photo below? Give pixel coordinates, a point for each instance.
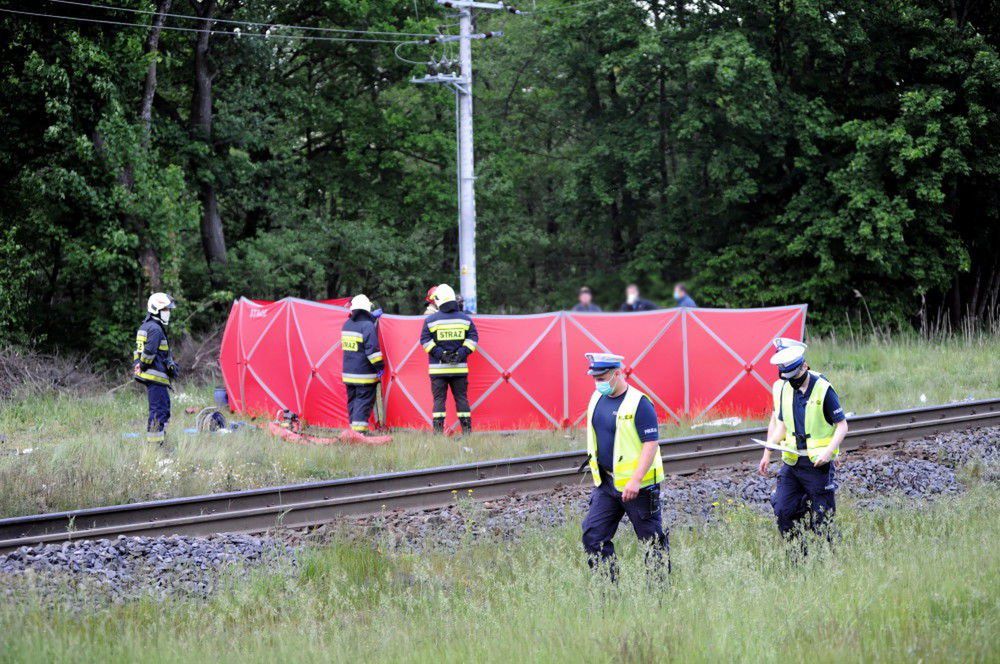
(449, 331)
(628, 446)
(818, 431)
(361, 353)
(152, 353)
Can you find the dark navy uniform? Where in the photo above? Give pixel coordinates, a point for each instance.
(606, 505)
(362, 366)
(449, 337)
(639, 305)
(154, 367)
(804, 488)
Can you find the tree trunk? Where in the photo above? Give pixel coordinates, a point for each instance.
(659, 22)
(989, 299)
(149, 90)
(148, 258)
(956, 304)
(213, 239)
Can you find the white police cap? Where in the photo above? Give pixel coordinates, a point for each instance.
(789, 354)
(784, 342)
(789, 358)
(602, 362)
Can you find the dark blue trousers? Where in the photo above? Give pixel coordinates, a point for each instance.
(804, 489)
(606, 511)
(360, 399)
(159, 411)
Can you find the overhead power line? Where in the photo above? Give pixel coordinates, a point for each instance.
(407, 60)
(229, 33)
(191, 17)
(562, 8)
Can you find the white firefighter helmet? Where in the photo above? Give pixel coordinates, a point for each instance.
(444, 293)
(159, 305)
(361, 302)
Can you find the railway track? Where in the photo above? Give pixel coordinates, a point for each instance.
(299, 505)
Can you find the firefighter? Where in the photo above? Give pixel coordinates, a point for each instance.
(153, 364)
(431, 307)
(449, 337)
(362, 366)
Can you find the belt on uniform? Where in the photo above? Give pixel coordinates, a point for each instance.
(800, 441)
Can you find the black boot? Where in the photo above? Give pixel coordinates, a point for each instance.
(438, 425)
(466, 425)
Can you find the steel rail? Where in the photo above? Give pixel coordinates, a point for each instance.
(314, 503)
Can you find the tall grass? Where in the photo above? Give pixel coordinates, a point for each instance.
(80, 458)
(900, 585)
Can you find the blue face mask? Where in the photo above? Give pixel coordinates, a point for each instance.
(604, 388)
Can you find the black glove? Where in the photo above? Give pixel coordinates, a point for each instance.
(173, 370)
(451, 357)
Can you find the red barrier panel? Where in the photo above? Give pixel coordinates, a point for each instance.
(529, 372)
(285, 354)
(651, 343)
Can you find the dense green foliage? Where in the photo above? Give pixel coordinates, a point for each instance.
(766, 152)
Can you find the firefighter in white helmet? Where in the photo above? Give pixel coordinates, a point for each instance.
(362, 367)
(449, 336)
(153, 364)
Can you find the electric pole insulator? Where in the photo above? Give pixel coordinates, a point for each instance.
(462, 85)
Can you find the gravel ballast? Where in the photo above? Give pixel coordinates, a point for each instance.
(81, 573)
(133, 567)
(869, 477)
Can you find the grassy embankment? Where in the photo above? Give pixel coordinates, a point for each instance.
(902, 585)
(80, 458)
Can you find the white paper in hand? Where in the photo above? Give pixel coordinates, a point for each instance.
(779, 448)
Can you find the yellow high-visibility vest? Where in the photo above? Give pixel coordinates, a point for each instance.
(818, 430)
(628, 446)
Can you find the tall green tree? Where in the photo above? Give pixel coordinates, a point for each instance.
(766, 152)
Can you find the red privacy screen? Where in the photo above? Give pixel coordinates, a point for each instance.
(529, 372)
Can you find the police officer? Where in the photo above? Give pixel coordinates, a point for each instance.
(625, 462)
(362, 366)
(449, 336)
(153, 364)
(809, 423)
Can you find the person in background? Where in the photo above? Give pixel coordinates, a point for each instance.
(624, 458)
(681, 296)
(362, 362)
(153, 364)
(431, 306)
(585, 301)
(635, 303)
